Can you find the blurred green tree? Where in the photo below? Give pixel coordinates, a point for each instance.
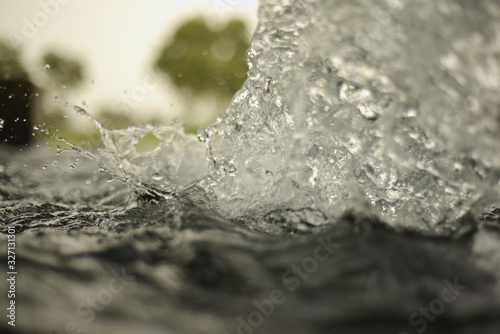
(207, 65)
(205, 60)
(10, 65)
(63, 71)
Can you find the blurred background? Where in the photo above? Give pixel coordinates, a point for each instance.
(125, 62)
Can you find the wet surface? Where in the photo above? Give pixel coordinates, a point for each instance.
(351, 187)
(143, 265)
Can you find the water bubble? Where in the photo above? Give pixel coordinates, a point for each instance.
(56, 98)
(47, 66)
(157, 177)
(11, 96)
(2, 122)
(367, 111)
(45, 166)
(228, 168)
(202, 135)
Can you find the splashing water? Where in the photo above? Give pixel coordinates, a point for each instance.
(151, 159)
(351, 102)
(356, 109)
(354, 114)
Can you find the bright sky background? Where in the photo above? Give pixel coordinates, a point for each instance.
(116, 40)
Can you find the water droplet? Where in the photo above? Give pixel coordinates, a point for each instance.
(367, 112)
(56, 98)
(202, 135)
(45, 166)
(36, 127)
(254, 102)
(11, 96)
(47, 66)
(79, 110)
(353, 94)
(75, 164)
(157, 177)
(1, 123)
(458, 166)
(228, 168)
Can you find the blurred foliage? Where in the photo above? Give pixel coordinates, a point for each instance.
(114, 120)
(63, 71)
(10, 65)
(198, 59)
(206, 60)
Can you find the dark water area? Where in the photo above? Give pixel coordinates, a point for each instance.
(136, 264)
